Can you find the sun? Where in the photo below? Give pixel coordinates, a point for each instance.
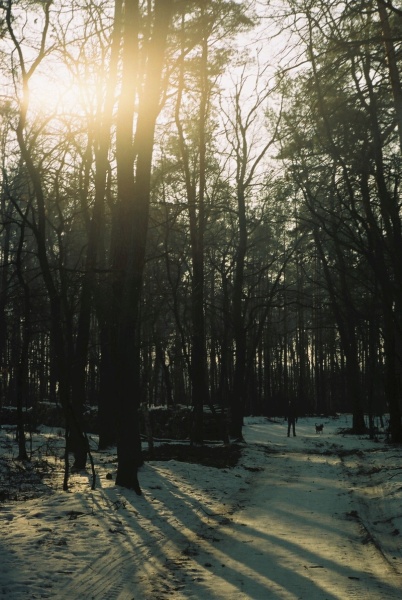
(55, 90)
(46, 55)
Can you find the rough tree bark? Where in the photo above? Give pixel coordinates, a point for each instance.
(134, 165)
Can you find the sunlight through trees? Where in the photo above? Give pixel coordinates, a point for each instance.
(200, 207)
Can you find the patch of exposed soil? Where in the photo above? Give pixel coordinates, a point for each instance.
(221, 457)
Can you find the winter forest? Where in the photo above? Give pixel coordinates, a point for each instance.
(200, 207)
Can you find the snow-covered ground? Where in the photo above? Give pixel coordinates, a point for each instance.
(317, 516)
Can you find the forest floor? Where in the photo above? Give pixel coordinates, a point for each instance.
(314, 517)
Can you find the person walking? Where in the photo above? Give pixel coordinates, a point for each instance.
(291, 418)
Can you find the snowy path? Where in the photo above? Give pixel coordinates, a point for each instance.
(299, 535)
(316, 517)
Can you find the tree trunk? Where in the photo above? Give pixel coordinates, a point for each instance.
(134, 162)
(196, 210)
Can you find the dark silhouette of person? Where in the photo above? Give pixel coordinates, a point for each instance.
(291, 419)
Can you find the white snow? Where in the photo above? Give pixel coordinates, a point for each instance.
(317, 516)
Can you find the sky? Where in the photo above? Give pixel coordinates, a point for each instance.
(316, 516)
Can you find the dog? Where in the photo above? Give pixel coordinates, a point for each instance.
(319, 428)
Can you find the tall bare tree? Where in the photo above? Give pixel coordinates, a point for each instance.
(143, 49)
